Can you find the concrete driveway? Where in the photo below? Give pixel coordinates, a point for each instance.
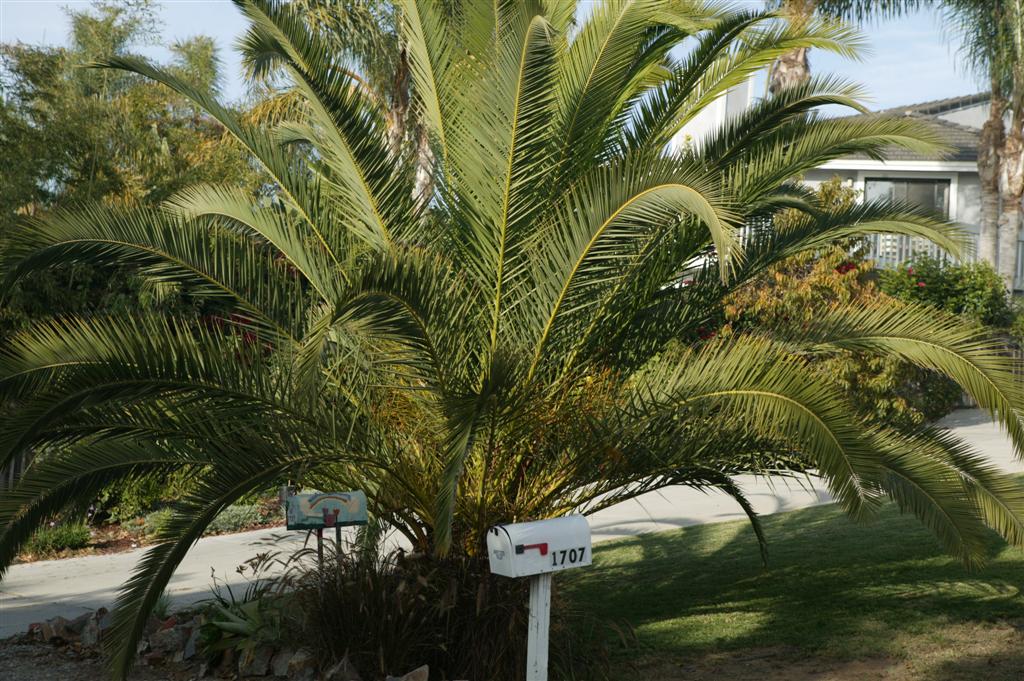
(37, 591)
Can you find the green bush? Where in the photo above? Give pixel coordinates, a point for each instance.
(125, 502)
(974, 290)
(58, 537)
(151, 523)
(231, 519)
(235, 518)
(886, 389)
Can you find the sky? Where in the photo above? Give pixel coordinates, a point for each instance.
(909, 60)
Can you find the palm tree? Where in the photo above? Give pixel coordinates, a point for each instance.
(992, 35)
(533, 340)
(794, 67)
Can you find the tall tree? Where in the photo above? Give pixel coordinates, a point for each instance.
(992, 38)
(74, 135)
(1010, 69)
(793, 67)
(532, 341)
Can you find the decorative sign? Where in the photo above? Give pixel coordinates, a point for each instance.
(325, 509)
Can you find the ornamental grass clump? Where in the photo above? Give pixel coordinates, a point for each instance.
(466, 295)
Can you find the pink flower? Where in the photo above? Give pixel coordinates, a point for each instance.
(910, 270)
(920, 284)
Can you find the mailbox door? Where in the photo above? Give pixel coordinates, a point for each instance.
(499, 552)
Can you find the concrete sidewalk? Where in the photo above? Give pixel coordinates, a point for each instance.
(37, 591)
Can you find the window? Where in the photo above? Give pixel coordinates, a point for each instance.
(932, 195)
(888, 250)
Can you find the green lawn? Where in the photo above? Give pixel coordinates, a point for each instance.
(832, 588)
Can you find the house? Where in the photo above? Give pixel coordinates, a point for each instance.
(946, 184)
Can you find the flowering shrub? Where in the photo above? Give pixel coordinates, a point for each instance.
(795, 292)
(974, 290)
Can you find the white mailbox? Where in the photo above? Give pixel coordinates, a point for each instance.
(525, 549)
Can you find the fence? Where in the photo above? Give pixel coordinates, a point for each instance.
(889, 251)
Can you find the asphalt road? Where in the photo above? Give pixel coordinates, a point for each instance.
(34, 592)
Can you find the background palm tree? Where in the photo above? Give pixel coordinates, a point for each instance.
(537, 338)
(992, 35)
(794, 67)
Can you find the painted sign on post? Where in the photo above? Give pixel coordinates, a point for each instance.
(325, 509)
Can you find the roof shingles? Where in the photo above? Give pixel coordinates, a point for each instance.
(962, 140)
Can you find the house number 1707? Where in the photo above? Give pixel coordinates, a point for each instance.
(569, 556)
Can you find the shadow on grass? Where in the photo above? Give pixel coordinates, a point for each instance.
(831, 586)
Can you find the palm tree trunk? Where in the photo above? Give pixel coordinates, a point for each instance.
(789, 70)
(424, 187)
(1009, 231)
(1011, 180)
(989, 144)
(399, 111)
(792, 68)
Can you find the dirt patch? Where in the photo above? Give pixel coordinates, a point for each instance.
(22, 661)
(955, 652)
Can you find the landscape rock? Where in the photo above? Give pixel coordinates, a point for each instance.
(90, 629)
(152, 625)
(255, 661)
(90, 635)
(227, 667)
(418, 674)
(343, 671)
(154, 658)
(106, 620)
(75, 626)
(302, 666)
(54, 629)
(191, 645)
(167, 640)
(279, 663)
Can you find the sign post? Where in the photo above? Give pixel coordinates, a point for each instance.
(536, 550)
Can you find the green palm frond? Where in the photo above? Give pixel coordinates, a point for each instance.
(213, 263)
(965, 352)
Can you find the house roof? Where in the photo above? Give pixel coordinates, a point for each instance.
(939, 106)
(962, 140)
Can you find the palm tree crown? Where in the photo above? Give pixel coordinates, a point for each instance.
(530, 339)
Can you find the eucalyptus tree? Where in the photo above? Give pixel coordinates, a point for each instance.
(537, 338)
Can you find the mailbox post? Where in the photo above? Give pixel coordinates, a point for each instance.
(536, 550)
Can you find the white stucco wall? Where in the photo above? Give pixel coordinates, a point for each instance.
(734, 102)
(972, 117)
